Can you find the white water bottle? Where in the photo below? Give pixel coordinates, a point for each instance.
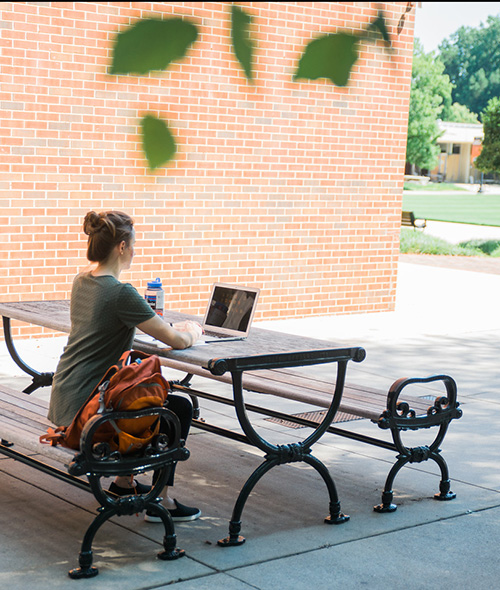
(155, 296)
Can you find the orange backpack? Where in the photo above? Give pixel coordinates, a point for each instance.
(134, 383)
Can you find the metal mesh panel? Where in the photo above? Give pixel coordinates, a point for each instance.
(314, 417)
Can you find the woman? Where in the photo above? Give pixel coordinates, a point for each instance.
(104, 315)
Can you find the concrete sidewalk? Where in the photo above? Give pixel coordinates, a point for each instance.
(446, 321)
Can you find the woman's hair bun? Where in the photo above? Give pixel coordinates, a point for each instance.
(92, 223)
(105, 231)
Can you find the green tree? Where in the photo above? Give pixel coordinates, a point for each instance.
(154, 43)
(489, 158)
(458, 113)
(430, 91)
(471, 57)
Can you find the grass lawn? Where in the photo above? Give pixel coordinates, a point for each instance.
(460, 208)
(416, 242)
(438, 187)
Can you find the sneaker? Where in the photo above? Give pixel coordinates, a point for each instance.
(138, 488)
(180, 514)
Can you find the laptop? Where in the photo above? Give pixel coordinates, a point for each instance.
(229, 312)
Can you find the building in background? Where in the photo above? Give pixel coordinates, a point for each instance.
(460, 144)
(291, 186)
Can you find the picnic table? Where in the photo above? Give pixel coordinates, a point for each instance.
(268, 362)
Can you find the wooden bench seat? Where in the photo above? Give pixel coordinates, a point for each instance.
(23, 419)
(408, 219)
(357, 400)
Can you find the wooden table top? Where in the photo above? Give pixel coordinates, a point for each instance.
(316, 390)
(56, 315)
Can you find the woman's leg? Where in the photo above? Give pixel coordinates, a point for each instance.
(183, 409)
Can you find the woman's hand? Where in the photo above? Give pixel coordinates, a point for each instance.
(180, 335)
(193, 328)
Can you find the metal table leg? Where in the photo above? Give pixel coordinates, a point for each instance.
(282, 454)
(38, 379)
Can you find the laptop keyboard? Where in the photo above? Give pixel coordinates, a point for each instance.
(215, 335)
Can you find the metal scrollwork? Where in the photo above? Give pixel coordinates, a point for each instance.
(440, 404)
(102, 452)
(404, 411)
(130, 505)
(419, 454)
(101, 458)
(291, 453)
(161, 443)
(399, 414)
(399, 417)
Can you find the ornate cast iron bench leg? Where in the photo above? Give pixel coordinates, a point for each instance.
(127, 505)
(399, 416)
(97, 461)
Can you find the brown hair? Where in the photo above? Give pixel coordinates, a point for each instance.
(106, 230)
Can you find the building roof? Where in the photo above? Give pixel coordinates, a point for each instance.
(459, 132)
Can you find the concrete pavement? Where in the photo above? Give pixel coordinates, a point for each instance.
(461, 232)
(446, 321)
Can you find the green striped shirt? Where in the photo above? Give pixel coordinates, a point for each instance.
(104, 314)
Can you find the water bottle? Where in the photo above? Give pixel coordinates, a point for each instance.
(155, 296)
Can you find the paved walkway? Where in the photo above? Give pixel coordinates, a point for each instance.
(461, 232)
(446, 321)
(472, 263)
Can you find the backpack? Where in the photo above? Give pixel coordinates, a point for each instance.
(134, 383)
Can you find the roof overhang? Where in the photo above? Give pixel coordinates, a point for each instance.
(460, 132)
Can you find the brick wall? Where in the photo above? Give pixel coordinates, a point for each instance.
(294, 187)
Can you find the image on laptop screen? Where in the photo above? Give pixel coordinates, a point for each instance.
(231, 309)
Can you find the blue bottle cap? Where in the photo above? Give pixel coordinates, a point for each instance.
(156, 284)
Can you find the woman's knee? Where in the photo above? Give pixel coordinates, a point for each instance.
(181, 406)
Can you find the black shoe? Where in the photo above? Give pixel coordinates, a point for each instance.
(180, 514)
(137, 489)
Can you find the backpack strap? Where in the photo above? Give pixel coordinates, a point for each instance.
(102, 390)
(131, 356)
(54, 436)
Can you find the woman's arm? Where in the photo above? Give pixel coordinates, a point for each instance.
(179, 336)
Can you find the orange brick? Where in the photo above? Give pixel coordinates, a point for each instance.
(292, 186)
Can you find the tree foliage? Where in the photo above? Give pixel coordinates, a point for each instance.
(243, 45)
(153, 44)
(458, 113)
(313, 64)
(430, 91)
(471, 57)
(489, 158)
(157, 141)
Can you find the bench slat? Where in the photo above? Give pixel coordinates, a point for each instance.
(23, 419)
(23, 416)
(358, 401)
(23, 400)
(373, 398)
(28, 439)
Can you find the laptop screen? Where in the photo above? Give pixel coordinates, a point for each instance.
(231, 309)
